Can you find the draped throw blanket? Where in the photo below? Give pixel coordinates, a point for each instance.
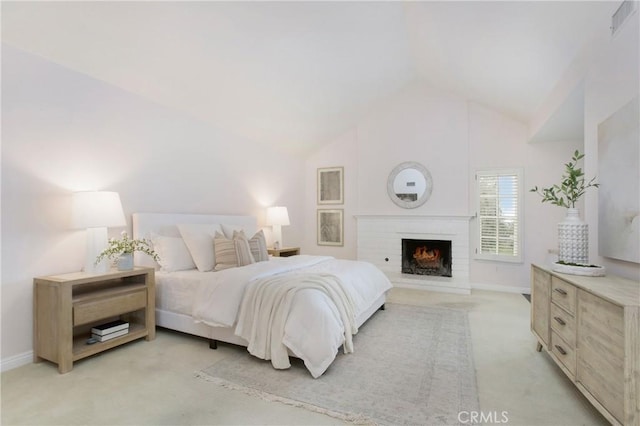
(266, 305)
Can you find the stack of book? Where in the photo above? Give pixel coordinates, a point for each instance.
(110, 330)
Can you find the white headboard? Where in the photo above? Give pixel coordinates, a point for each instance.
(146, 224)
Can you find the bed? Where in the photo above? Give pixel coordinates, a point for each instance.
(305, 306)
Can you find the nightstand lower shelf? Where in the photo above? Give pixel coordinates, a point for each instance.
(82, 350)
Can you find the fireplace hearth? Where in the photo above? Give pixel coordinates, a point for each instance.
(426, 257)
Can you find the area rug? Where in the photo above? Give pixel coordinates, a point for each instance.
(411, 366)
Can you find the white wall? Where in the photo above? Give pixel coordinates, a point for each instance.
(606, 71)
(452, 138)
(63, 131)
(418, 124)
(495, 141)
(610, 83)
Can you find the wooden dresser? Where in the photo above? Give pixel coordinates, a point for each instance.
(590, 327)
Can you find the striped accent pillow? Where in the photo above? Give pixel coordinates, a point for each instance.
(225, 252)
(258, 244)
(243, 252)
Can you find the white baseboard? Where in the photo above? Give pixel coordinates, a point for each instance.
(501, 288)
(473, 286)
(16, 361)
(431, 287)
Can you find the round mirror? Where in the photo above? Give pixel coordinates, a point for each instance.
(409, 185)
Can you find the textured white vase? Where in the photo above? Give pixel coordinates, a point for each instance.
(125, 262)
(573, 238)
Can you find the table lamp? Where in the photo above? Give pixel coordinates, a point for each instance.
(96, 211)
(277, 217)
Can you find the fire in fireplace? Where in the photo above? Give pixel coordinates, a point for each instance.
(426, 257)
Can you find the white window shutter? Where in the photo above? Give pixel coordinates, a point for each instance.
(499, 216)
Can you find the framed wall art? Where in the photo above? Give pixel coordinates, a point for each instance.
(331, 185)
(330, 227)
(619, 178)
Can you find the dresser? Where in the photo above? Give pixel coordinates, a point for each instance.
(590, 327)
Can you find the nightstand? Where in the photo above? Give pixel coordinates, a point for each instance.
(284, 252)
(67, 306)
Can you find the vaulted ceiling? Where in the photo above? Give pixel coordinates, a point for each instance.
(297, 74)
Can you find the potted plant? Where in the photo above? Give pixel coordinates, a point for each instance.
(123, 249)
(571, 188)
(573, 233)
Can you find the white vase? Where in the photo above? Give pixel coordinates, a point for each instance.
(573, 238)
(125, 262)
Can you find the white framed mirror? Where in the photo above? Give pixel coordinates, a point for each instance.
(409, 185)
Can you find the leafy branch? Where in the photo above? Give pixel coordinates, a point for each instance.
(126, 245)
(571, 188)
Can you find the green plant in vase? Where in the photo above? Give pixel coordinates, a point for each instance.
(123, 249)
(571, 188)
(573, 233)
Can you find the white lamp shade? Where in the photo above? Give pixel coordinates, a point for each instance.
(277, 216)
(96, 209)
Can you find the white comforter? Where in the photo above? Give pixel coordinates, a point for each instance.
(314, 327)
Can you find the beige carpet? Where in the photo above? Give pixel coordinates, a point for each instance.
(411, 365)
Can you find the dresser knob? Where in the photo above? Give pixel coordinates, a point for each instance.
(561, 350)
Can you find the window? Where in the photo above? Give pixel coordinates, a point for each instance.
(499, 203)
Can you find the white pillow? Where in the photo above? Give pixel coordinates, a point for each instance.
(173, 253)
(199, 241)
(229, 230)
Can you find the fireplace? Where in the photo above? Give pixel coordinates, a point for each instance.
(426, 257)
(380, 242)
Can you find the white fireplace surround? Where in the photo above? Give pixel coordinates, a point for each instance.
(380, 242)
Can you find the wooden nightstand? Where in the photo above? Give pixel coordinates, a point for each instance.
(284, 252)
(66, 306)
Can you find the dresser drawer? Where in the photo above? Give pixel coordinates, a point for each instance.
(96, 309)
(563, 294)
(564, 352)
(563, 324)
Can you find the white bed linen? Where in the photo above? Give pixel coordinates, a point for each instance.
(176, 291)
(313, 330)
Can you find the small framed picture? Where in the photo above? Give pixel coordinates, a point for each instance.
(330, 227)
(331, 185)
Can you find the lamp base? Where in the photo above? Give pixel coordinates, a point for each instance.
(96, 242)
(277, 236)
